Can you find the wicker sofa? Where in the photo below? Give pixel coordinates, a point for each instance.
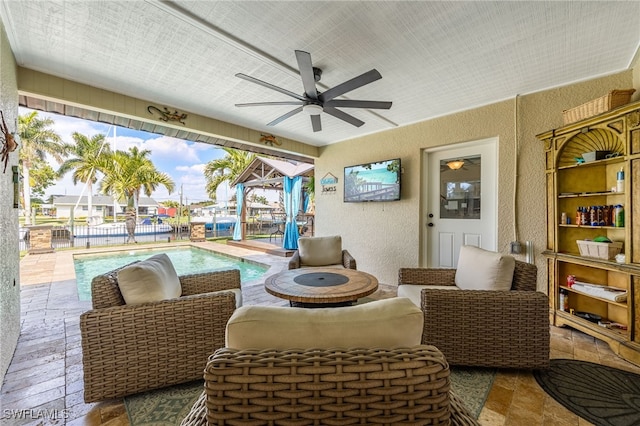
(487, 328)
(291, 382)
(134, 348)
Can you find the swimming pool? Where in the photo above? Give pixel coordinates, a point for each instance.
(186, 260)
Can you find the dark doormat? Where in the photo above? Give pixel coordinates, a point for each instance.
(597, 393)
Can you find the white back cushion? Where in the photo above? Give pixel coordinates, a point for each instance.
(385, 323)
(480, 269)
(320, 251)
(150, 280)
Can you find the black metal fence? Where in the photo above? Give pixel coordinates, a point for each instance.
(81, 236)
(88, 237)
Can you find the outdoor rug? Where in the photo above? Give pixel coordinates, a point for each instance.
(168, 406)
(163, 407)
(597, 393)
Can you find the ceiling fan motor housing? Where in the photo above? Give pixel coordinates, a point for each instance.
(317, 74)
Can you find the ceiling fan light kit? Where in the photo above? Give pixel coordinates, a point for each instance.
(312, 109)
(313, 102)
(455, 165)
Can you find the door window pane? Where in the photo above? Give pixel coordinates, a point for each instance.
(460, 188)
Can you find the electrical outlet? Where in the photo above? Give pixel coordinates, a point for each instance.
(515, 247)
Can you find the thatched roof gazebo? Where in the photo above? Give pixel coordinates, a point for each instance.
(268, 173)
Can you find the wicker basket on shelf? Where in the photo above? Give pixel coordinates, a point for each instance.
(606, 251)
(611, 100)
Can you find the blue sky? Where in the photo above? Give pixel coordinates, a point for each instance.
(183, 160)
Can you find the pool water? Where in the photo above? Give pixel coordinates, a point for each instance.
(186, 261)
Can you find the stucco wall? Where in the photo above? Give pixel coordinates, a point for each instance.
(386, 236)
(9, 272)
(635, 65)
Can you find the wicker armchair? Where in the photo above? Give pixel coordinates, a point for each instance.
(318, 248)
(128, 349)
(506, 329)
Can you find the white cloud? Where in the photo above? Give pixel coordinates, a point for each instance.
(195, 168)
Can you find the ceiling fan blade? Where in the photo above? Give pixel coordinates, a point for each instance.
(270, 86)
(315, 123)
(343, 116)
(349, 85)
(306, 72)
(270, 103)
(285, 116)
(348, 103)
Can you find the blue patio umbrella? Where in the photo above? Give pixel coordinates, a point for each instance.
(237, 231)
(305, 201)
(292, 194)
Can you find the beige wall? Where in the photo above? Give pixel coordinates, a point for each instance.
(9, 252)
(635, 65)
(386, 236)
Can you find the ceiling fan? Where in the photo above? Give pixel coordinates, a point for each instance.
(314, 102)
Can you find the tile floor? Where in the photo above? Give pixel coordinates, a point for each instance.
(43, 385)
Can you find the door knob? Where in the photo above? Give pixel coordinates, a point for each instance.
(430, 214)
(430, 224)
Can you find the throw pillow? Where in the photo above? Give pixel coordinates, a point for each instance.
(150, 280)
(480, 269)
(320, 251)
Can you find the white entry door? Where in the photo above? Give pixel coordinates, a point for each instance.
(459, 201)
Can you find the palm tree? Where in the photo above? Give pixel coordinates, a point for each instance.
(90, 155)
(226, 169)
(37, 140)
(129, 173)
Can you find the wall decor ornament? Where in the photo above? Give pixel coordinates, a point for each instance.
(9, 143)
(329, 184)
(269, 140)
(166, 115)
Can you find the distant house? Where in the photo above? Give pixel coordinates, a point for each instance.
(101, 206)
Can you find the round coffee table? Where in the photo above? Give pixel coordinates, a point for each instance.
(321, 287)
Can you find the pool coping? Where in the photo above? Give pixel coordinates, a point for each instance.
(59, 265)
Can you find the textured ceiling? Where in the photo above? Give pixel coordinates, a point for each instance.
(435, 57)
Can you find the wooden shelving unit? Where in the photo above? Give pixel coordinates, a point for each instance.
(570, 185)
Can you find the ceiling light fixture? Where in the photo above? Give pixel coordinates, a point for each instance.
(312, 109)
(455, 165)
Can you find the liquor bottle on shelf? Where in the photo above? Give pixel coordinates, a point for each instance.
(618, 214)
(564, 300)
(606, 215)
(593, 215)
(620, 181)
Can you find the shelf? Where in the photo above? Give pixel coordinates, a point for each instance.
(612, 332)
(588, 194)
(571, 225)
(604, 162)
(611, 302)
(610, 265)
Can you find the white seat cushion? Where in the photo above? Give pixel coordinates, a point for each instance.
(413, 291)
(320, 251)
(480, 269)
(385, 323)
(151, 280)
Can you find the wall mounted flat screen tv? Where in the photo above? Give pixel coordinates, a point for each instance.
(379, 181)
